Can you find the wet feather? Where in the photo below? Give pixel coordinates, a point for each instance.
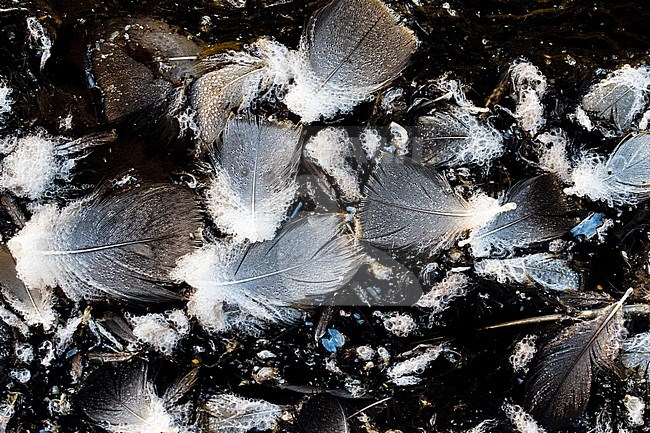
(410, 207)
(347, 51)
(559, 386)
(255, 178)
(119, 246)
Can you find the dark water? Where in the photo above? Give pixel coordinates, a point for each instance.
(475, 41)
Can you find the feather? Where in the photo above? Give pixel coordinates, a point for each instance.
(242, 77)
(559, 385)
(543, 270)
(34, 304)
(229, 413)
(255, 178)
(119, 246)
(620, 96)
(408, 206)
(322, 413)
(349, 49)
(308, 257)
(541, 215)
(455, 138)
(121, 399)
(622, 179)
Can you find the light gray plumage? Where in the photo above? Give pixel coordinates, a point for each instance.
(349, 49)
(620, 96)
(120, 246)
(559, 386)
(255, 178)
(409, 206)
(308, 257)
(542, 214)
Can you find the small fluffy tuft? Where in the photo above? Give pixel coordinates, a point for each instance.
(398, 324)
(6, 100)
(331, 148)
(443, 293)
(529, 86)
(408, 372)
(553, 153)
(589, 178)
(161, 331)
(635, 408)
(230, 413)
(521, 421)
(524, 351)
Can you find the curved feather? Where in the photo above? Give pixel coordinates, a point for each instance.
(308, 257)
(119, 246)
(541, 214)
(123, 400)
(349, 49)
(322, 413)
(255, 179)
(408, 206)
(34, 304)
(559, 387)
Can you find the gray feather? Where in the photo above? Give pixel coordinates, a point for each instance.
(408, 206)
(254, 183)
(119, 246)
(559, 387)
(349, 50)
(542, 214)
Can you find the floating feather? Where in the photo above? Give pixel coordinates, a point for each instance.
(119, 246)
(623, 179)
(543, 269)
(620, 97)
(123, 400)
(240, 77)
(308, 257)
(255, 178)
(408, 206)
(455, 138)
(559, 386)
(541, 215)
(322, 413)
(229, 413)
(529, 86)
(34, 304)
(347, 51)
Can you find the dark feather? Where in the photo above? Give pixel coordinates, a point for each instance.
(322, 413)
(542, 214)
(559, 386)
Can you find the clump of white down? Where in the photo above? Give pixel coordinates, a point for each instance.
(161, 331)
(230, 413)
(370, 142)
(529, 86)
(524, 351)
(396, 323)
(39, 37)
(589, 178)
(157, 420)
(437, 299)
(330, 148)
(521, 421)
(553, 153)
(5, 98)
(635, 408)
(31, 165)
(407, 372)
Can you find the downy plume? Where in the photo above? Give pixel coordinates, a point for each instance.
(308, 257)
(622, 179)
(122, 399)
(544, 270)
(620, 96)
(559, 386)
(541, 214)
(230, 413)
(33, 304)
(120, 246)
(455, 137)
(528, 87)
(34, 164)
(411, 207)
(240, 77)
(349, 50)
(255, 178)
